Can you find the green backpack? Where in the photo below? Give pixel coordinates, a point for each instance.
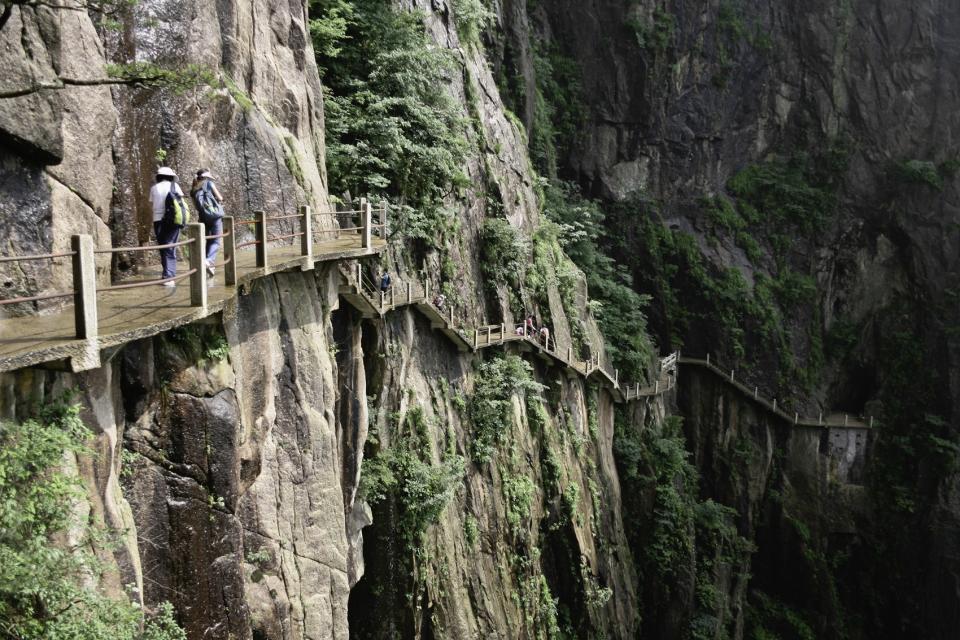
(176, 212)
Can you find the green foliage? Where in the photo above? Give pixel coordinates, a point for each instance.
(921, 172)
(558, 108)
(392, 129)
(472, 18)
(328, 27)
(768, 618)
(490, 407)
(44, 585)
(471, 531)
(582, 232)
(518, 493)
(199, 343)
(177, 79)
(239, 95)
(407, 472)
(656, 34)
(503, 252)
(292, 159)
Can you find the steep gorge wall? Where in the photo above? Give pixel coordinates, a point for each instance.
(229, 452)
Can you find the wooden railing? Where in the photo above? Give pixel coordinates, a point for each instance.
(404, 293)
(84, 288)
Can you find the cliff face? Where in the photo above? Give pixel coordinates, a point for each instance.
(739, 144)
(240, 457)
(230, 452)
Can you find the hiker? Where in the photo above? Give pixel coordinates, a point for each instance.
(385, 282)
(529, 327)
(545, 337)
(440, 301)
(169, 216)
(210, 208)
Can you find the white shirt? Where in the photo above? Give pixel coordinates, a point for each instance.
(158, 197)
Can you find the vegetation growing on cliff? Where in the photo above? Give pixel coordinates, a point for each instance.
(491, 405)
(48, 552)
(392, 130)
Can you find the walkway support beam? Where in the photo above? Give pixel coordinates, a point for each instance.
(84, 287)
(229, 252)
(198, 264)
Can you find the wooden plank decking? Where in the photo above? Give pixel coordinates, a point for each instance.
(132, 314)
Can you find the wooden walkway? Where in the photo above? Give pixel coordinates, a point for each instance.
(361, 293)
(728, 377)
(132, 314)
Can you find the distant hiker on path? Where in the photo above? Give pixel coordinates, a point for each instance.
(385, 282)
(169, 215)
(545, 336)
(529, 327)
(210, 207)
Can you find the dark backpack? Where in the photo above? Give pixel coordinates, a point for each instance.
(176, 213)
(210, 210)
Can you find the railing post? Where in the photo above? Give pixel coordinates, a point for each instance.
(656, 387)
(708, 357)
(426, 290)
(476, 338)
(306, 240)
(198, 279)
(229, 245)
(409, 293)
(366, 222)
(731, 375)
(383, 220)
(84, 287)
(451, 316)
(820, 418)
(845, 419)
(503, 331)
(383, 299)
(774, 404)
(796, 418)
(871, 422)
(756, 392)
(359, 277)
(569, 354)
(260, 230)
(616, 377)
(393, 296)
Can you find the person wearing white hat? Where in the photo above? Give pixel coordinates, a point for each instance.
(166, 234)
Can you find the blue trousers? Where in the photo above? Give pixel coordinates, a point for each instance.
(213, 228)
(168, 257)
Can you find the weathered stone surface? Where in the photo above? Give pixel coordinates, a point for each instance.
(30, 123)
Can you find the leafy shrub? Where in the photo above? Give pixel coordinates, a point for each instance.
(406, 472)
(472, 18)
(490, 407)
(503, 252)
(921, 172)
(44, 586)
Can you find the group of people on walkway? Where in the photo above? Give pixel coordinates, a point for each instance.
(171, 213)
(529, 329)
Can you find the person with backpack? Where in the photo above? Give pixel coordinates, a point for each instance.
(170, 214)
(210, 209)
(385, 282)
